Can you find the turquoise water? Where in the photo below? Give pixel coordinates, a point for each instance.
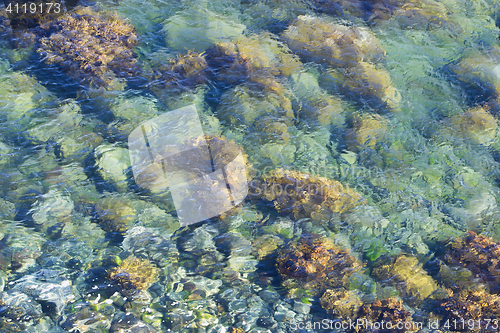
(396, 101)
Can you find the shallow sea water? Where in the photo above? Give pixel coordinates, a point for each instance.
(402, 109)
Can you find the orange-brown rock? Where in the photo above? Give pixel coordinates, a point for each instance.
(391, 312)
(95, 50)
(180, 74)
(480, 255)
(314, 263)
(471, 311)
(134, 273)
(302, 195)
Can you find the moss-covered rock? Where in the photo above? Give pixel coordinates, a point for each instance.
(314, 263)
(180, 74)
(476, 309)
(315, 39)
(477, 73)
(319, 110)
(367, 83)
(366, 130)
(266, 246)
(115, 214)
(391, 311)
(342, 304)
(302, 195)
(134, 273)
(244, 104)
(477, 124)
(479, 254)
(20, 93)
(410, 278)
(96, 50)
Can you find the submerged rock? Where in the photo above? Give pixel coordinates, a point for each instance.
(115, 214)
(130, 111)
(477, 72)
(19, 251)
(342, 304)
(134, 273)
(410, 278)
(180, 74)
(263, 52)
(266, 246)
(113, 164)
(314, 263)
(367, 83)
(245, 105)
(64, 131)
(421, 15)
(258, 60)
(95, 50)
(83, 318)
(389, 310)
(193, 307)
(146, 242)
(20, 311)
(199, 28)
(7, 210)
(48, 287)
(52, 208)
(477, 307)
(315, 39)
(20, 93)
(476, 123)
(389, 314)
(320, 110)
(130, 324)
(302, 195)
(366, 130)
(479, 254)
(6, 152)
(350, 52)
(251, 56)
(222, 152)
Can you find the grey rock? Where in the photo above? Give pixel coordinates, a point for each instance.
(282, 313)
(19, 307)
(248, 320)
(7, 210)
(238, 305)
(219, 328)
(235, 244)
(138, 302)
(301, 307)
(113, 164)
(130, 324)
(145, 241)
(84, 319)
(47, 286)
(201, 240)
(208, 286)
(255, 302)
(246, 264)
(53, 207)
(270, 297)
